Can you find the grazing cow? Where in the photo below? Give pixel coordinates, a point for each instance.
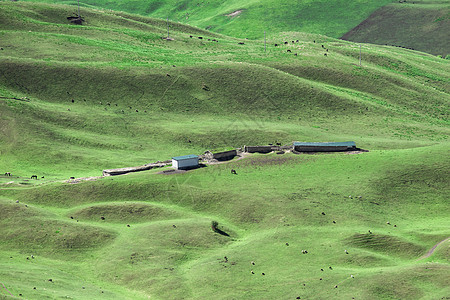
(323, 46)
(285, 43)
(325, 54)
(7, 174)
(103, 218)
(233, 171)
(72, 178)
(190, 36)
(297, 41)
(200, 38)
(42, 177)
(278, 144)
(33, 176)
(295, 54)
(276, 45)
(241, 43)
(137, 110)
(288, 50)
(323, 213)
(73, 101)
(293, 42)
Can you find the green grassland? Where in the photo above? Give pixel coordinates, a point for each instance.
(138, 98)
(421, 25)
(332, 17)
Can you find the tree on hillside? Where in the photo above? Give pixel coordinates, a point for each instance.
(78, 19)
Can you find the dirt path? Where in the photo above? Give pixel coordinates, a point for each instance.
(234, 13)
(430, 252)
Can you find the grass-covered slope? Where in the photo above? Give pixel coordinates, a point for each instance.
(370, 216)
(251, 18)
(114, 93)
(421, 25)
(138, 98)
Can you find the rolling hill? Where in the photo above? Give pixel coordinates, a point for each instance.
(249, 19)
(420, 25)
(114, 92)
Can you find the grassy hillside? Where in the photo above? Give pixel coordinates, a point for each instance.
(251, 18)
(421, 25)
(113, 93)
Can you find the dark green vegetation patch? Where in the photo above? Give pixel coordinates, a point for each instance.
(419, 25)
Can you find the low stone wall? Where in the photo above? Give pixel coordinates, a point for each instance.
(226, 155)
(121, 171)
(259, 149)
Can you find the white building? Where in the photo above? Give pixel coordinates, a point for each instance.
(185, 162)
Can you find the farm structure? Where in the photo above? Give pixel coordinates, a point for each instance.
(258, 149)
(221, 156)
(185, 162)
(324, 147)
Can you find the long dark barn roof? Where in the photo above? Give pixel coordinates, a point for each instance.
(327, 144)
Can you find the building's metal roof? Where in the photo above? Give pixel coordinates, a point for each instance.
(327, 144)
(184, 157)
